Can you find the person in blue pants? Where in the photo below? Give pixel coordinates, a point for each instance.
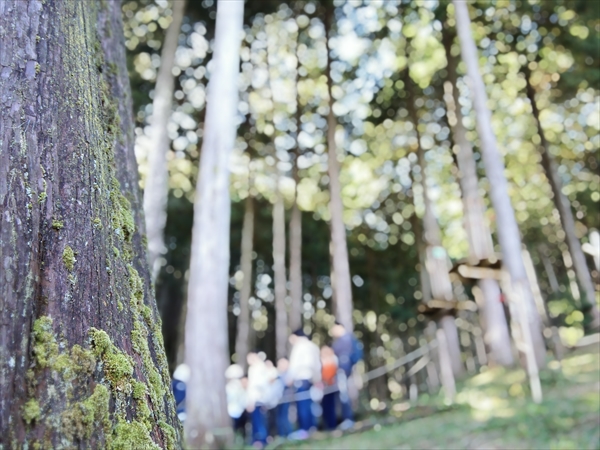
(258, 417)
(282, 411)
(348, 351)
(304, 371)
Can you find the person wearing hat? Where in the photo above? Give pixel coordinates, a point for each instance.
(303, 372)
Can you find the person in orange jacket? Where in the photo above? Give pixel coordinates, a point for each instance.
(329, 368)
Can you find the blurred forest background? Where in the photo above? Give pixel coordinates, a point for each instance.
(284, 47)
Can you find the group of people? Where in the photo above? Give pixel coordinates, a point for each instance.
(311, 386)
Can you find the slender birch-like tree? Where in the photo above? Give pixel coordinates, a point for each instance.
(243, 321)
(156, 189)
(206, 331)
(507, 228)
(295, 226)
(435, 257)
(279, 278)
(563, 205)
(341, 283)
(494, 323)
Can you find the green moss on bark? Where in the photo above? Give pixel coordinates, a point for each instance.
(131, 436)
(45, 347)
(80, 421)
(31, 411)
(68, 258)
(118, 366)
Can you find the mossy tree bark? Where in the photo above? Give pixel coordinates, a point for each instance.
(82, 362)
(156, 189)
(341, 283)
(206, 329)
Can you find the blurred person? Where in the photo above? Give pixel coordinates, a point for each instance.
(273, 394)
(304, 371)
(348, 351)
(181, 375)
(258, 381)
(329, 364)
(235, 390)
(284, 427)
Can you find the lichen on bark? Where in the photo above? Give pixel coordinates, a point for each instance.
(74, 232)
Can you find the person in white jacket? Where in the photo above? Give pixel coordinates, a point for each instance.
(258, 386)
(304, 371)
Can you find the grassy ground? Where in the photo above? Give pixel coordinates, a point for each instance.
(494, 411)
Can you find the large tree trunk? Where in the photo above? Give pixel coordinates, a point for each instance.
(243, 322)
(281, 323)
(156, 188)
(82, 362)
(206, 336)
(436, 261)
(341, 282)
(496, 332)
(563, 206)
(508, 230)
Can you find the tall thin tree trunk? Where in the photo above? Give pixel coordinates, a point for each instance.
(243, 321)
(548, 268)
(341, 266)
(496, 332)
(508, 230)
(206, 337)
(82, 361)
(295, 318)
(436, 261)
(156, 189)
(563, 205)
(281, 323)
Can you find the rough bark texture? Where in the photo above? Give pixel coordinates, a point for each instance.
(243, 321)
(496, 332)
(281, 323)
(508, 230)
(82, 362)
(156, 189)
(341, 282)
(206, 332)
(563, 205)
(436, 260)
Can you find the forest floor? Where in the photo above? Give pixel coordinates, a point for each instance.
(493, 410)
